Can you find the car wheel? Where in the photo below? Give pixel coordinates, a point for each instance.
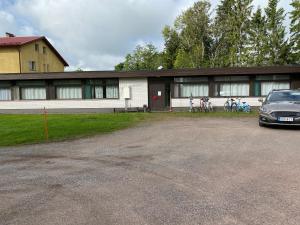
(261, 124)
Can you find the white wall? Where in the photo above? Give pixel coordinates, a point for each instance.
(217, 102)
(139, 97)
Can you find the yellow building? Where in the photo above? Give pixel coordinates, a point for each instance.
(28, 55)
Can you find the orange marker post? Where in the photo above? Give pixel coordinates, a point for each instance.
(46, 124)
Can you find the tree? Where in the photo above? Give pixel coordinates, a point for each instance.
(182, 60)
(119, 67)
(234, 37)
(230, 31)
(295, 31)
(277, 46)
(257, 40)
(242, 21)
(172, 43)
(222, 30)
(143, 58)
(193, 27)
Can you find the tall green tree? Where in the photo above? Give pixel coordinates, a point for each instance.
(231, 27)
(193, 27)
(295, 31)
(277, 46)
(172, 44)
(257, 39)
(143, 58)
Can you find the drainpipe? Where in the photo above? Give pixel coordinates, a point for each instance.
(20, 66)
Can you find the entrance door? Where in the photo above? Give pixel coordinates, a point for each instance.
(159, 96)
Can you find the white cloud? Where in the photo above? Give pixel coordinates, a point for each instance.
(99, 33)
(7, 22)
(94, 34)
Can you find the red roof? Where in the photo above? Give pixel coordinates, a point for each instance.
(19, 41)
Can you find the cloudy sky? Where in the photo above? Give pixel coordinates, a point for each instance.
(95, 34)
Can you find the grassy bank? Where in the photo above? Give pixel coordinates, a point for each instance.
(29, 129)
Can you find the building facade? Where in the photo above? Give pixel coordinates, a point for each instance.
(159, 90)
(29, 55)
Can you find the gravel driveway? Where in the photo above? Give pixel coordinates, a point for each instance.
(184, 171)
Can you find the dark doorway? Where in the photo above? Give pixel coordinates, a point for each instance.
(159, 93)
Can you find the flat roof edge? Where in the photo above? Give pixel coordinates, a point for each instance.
(271, 70)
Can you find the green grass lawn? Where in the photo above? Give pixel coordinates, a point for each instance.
(29, 129)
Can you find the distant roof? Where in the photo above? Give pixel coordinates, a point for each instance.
(19, 41)
(251, 71)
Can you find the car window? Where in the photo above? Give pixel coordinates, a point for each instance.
(284, 96)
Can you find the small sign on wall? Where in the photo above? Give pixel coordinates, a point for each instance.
(159, 93)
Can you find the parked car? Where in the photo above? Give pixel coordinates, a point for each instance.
(281, 107)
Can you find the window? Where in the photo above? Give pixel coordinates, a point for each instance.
(48, 67)
(266, 87)
(272, 77)
(235, 86)
(106, 88)
(231, 78)
(190, 79)
(69, 93)
(37, 47)
(99, 92)
(33, 93)
(112, 92)
(44, 50)
(195, 90)
(32, 66)
(232, 89)
(185, 87)
(5, 94)
(264, 84)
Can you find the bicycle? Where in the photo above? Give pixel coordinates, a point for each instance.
(243, 107)
(191, 108)
(205, 105)
(230, 105)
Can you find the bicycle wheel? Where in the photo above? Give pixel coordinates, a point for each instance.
(210, 107)
(234, 107)
(226, 107)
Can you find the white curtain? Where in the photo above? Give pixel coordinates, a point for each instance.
(266, 87)
(234, 89)
(112, 92)
(5, 94)
(69, 93)
(225, 90)
(33, 93)
(196, 90)
(99, 92)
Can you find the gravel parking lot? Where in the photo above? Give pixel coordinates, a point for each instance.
(181, 171)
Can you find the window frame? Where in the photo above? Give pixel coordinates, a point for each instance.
(32, 86)
(218, 84)
(69, 86)
(104, 83)
(273, 81)
(32, 65)
(230, 81)
(11, 93)
(37, 47)
(174, 83)
(260, 81)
